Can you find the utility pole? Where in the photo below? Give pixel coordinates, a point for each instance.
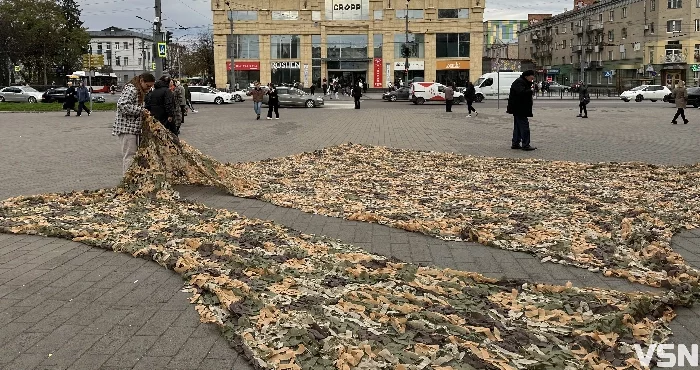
(157, 37)
(406, 48)
(232, 50)
(583, 52)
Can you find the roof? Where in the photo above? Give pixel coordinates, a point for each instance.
(119, 32)
(558, 18)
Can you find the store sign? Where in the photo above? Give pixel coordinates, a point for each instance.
(451, 64)
(347, 10)
(243, 66)
(285, 65)
(378, 72)
(306, 75)
(412, 66)
(553, 71)
(695, 67)
(388, 73)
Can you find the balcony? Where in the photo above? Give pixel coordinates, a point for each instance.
(589, 48)
(594, 64)
(578, 30)
(576, 48)
(674, 59)
(595, 27)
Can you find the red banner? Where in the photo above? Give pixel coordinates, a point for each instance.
(378, 72)
(243, 66)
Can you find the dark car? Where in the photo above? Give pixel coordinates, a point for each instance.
(403, 93)
(56, 94)
(693, 97)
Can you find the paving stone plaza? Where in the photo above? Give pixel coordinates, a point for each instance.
(64, 305)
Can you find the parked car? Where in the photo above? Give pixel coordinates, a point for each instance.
(557, 87)
(403, 93)
(20, 94)
(693, 97)
(649, 92)
(206, 94)
(58, 94)
(239, 95)
(293, 97)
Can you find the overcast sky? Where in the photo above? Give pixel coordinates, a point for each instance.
(100, 14)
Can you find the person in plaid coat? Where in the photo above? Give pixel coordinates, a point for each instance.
(130, 113)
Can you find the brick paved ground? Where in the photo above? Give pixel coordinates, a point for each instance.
(90, 308)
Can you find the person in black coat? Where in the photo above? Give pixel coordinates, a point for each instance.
(357, 94)
(71, 96)
(470, 96)
(161, 103)
(520, 106)
(273, 102)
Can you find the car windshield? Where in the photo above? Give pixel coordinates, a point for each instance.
(694, 90)
(638, 88)
(298, 92)
(29, 89)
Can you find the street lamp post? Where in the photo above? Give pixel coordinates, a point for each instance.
(233, 64)
(406, 45)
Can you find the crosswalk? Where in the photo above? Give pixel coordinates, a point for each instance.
(339, 104)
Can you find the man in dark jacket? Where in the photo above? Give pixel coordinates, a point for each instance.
(71, 96)
(161, 103)
(520, 106)
(583, 100)
(357, 94)
(83, 97)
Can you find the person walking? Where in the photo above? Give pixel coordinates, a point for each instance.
(70, 98)
(470, 96)
(83, 97)
(324, 86)
(681, 96)
(357, 94)
(520, 106)
(257, 93)
(583, 99)
(179, 101)
(449, 97)
(130, 113)
(161, 103)
(273, 103)
(313, 88)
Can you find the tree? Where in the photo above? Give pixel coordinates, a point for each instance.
(198, 59)
(75, 37)
(106, 70)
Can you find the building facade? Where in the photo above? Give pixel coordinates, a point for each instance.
(307, 41)
(504, 30)
(128, 53)
(617, 43)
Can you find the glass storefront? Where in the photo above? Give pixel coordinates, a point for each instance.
(285, 76)
(457, 76)
(347, 73)
(316, 60)
(413, 76)
(284, 47)
(245, 78)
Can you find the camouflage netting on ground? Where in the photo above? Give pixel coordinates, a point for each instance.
(294, 301)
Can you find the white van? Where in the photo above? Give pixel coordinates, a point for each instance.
(495, 85)
(431, 91)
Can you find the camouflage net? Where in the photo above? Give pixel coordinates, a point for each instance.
(288, 300)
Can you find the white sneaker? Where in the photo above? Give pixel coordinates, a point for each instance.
(277, 118)
(269, 118)
(469, 116)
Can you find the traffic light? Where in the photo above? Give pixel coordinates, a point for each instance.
(169, 37)
(405, 51)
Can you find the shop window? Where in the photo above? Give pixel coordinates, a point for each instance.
(416, 45)
(243, 47)
(451, 45)
(285, 15)
(346, 46)
(284, 47)
(243, 15)
(378, 40)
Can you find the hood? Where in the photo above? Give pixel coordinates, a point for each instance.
(160, 84)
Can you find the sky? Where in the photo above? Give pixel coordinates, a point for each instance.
(196, 14)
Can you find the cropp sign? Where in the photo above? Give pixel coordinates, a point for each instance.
(347, 6)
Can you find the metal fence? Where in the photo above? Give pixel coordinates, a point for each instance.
(595, 93)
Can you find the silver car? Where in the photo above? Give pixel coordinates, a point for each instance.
(293, 97)
(20, 94)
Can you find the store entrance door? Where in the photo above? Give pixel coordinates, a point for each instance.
(673, 78)
(347, 78)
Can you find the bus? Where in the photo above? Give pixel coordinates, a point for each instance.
(99, 83)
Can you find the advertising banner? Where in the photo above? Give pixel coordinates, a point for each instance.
(413, 65)
(306, 75)
(451, 64)
(347, 10)
(388, 73)
(243, 66)
(378, 78)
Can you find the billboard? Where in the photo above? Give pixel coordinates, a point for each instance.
(347, 10)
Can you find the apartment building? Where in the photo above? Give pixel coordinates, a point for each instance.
(617, 43)
(127, 52)
(310, 40)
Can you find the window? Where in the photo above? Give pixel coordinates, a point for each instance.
(416, 43)
(650, 49)
(243, 47)
(697, 53)
(673, 26)
(116, 46)
(126, 61)
(453, 13)
(563, 44)
(651, 27)
(126, 46)
(450, 45)
(697, 3)
(556, 30)
(697, 25)
(316, 59)
(675, 4)
(611, 36)
(285, 15)
(378, 15)
(99, 48)
(243, 15)
(563, 60)
(378, 40)
(610, 55)
(109, 45)
(315, 15)
(140, 61)
(624, 12)
(346, 46)
(117, 61)
(563, 28)
(412, 14)
(600, 17)
(599, 78)
(284, 46)
(623, 52)
(611, 16)
(624, 33)
(653, 5)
